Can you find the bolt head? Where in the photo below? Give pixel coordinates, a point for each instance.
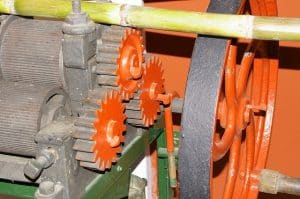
(47, 187)
(32, 169)
(119, 168)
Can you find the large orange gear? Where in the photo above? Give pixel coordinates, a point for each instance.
(152, 85)
(129, 63)
(109, 127)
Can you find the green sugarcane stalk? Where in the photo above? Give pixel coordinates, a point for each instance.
(224, 25)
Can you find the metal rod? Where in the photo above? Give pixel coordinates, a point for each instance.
(76, 6)
(274, 182)
(170, 146)
(177, 105)
(236, 26)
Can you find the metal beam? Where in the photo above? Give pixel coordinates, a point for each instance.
(115, 183)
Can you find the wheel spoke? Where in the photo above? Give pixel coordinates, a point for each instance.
(244, 73)
(233, 167)
(230, 68)
(221, 146)
(250, 147)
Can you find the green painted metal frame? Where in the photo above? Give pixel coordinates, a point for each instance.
(17, 190)
(115, 184)
(112, 184)
(165, 191)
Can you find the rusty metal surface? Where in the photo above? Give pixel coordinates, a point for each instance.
(31, 51)
(21, 107)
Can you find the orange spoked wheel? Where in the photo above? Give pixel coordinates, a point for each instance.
(237, 117)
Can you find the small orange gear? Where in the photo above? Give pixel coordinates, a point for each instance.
(109, 126)
(129, 63)
(152, 85)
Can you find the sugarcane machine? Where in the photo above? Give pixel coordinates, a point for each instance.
(81, 102)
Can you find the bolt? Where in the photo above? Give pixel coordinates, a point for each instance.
(46, 187)
(76, 6)
(34, 167)
(119, 168)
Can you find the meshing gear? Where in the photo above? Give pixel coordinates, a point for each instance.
(129, 63)
(99, 136)
(109, 127)
(120, 60)
(144, 108)
(153, 84)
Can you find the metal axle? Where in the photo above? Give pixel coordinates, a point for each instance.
(225, 25)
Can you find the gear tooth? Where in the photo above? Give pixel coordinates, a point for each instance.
(101, 165)
(154, 117)
(112, 95)
(119, 98)
(94, 158)
(105, 98)
(94, 149)
(121, 92)
(119, 149)
(108, 164)
(114, 158)
(125, 95)
(118, 80)
(118, 61)
(94, 136)
(146, 123)
(116, 97)
(122, 139)
(98, 112)
(160, 63)
(150, 62)
(128, 96)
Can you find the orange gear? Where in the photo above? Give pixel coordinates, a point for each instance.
(129, 63)
(152, 85)
(109, 126)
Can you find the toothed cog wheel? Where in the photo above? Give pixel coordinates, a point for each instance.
(144, 108)
(99, 137)
(120, 60)
(109, 127)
